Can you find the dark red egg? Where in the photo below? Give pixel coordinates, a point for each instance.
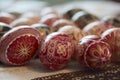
(6, 17)
(93, 53)
(49, 19)
(19, 45)
(96, 28)
(112, 37)
(56, 51)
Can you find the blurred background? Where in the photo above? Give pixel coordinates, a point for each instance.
(100, 8)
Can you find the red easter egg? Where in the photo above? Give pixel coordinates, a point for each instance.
(97, 55)
(76, 33)
(60, 23)
(96, 28)
(92, 52)
(49, 19)
(19, 45)
(56, 50)
(6, 17)
(112, 37)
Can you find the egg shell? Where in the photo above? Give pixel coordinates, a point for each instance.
(60, 23)
(82, 18)
(90, 52)
(42, 28)
(19, 45)
(112, 37)
(56, 51)
(96, 28)
(49, 19)
(6, 17)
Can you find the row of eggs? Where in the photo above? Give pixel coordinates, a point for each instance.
(20, 44)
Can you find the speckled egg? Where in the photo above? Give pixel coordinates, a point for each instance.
(56, 51)
(19, 45)
(113, 20)
(112, 37)
(96, 28)
(42, 28)
(93, 53)
(82, 18)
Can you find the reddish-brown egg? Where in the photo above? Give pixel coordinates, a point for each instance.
(96, 28)
(49, 19)
(19, 45)
(93, 53)
(6, 17)
(56, 50)
(112, 37)
(60, 23)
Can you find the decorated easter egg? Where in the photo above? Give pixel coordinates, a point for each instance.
(112, 37)
(68, 12)
(74, 31)
(82, 18)
(6, 17)
(19, 45)
(96, 28)
(56, 50)
(42, 28)
(49, 19)
(4, 28)
(93, 53)
(60, 23)
(113, 20)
